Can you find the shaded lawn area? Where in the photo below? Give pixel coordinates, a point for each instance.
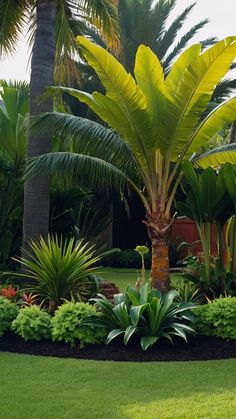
(123, 276)
(42, 388)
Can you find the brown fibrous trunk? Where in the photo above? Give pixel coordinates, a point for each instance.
(159, 229)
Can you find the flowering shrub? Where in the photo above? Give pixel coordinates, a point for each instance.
(8, 312)
(9, 292)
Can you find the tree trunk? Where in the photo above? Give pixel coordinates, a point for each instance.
(160, 275)
(159, 233)
(36, 191)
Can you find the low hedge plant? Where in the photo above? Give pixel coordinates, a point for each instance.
(8, 312)
(217, 318)
(32, 323)
(66, 324)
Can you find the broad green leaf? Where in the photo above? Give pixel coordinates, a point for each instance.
(217, 157)
(136, 313)
(147, 341)
(213, 123)
(128, 333)
(114, 334)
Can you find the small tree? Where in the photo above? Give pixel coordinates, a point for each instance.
(158, 123)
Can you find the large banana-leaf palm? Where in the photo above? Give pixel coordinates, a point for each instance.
(157, 122)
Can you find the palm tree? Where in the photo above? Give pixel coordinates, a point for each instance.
(52, 35)
(145, 22)
(157, 122)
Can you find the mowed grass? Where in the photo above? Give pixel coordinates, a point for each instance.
(42, 388)
(124, 277)
(121, 276)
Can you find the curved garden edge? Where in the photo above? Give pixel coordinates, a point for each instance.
(198, 348)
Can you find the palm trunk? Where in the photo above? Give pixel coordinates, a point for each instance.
(160, 275)
(36, 192)
(159, 233)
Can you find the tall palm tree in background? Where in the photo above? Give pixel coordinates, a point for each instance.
(158, 121)
(145, 22)
(52, 26)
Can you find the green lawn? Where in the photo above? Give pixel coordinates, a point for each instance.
(123, 277)
(51, 388)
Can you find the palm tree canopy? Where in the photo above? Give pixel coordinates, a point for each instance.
(145, 22)
(71, 18)
(158, 118)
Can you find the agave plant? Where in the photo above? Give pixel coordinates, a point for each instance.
(145, 313)
(58, 270)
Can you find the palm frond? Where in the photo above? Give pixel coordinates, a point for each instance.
(13, 16)
(183, 43)
(86, 137)
(170, 34)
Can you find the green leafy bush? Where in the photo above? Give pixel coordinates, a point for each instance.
(8, 312)
(217, 318)
(32, 323)
(66, 327)
(146, 313)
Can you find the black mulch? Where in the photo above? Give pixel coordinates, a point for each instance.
(197, 348)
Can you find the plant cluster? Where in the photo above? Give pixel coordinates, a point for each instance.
(59, 269)
(145, 313)
(210, 200)
(8, 312)
(65, 324)
(32, 323)
(217, 318)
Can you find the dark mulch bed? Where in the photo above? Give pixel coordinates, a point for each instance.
(197, 348)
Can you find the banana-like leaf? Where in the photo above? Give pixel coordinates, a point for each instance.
(230, 181)
(121, 88)
(214, 122)
(194, 92)
(217, 157)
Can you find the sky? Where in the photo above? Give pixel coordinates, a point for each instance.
(221, 14)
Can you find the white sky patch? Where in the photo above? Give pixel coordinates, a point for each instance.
(221, 14)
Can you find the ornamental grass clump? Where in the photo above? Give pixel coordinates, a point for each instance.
(66, 324)
(59, 270)
(32, 323)
(8, 312)
(145, 313)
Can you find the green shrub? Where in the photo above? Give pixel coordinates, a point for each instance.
(146, 313)
(8, 312)
(217, 318)
(32, 323)
(65, 324)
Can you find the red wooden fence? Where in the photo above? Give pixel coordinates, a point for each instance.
(186, 230)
